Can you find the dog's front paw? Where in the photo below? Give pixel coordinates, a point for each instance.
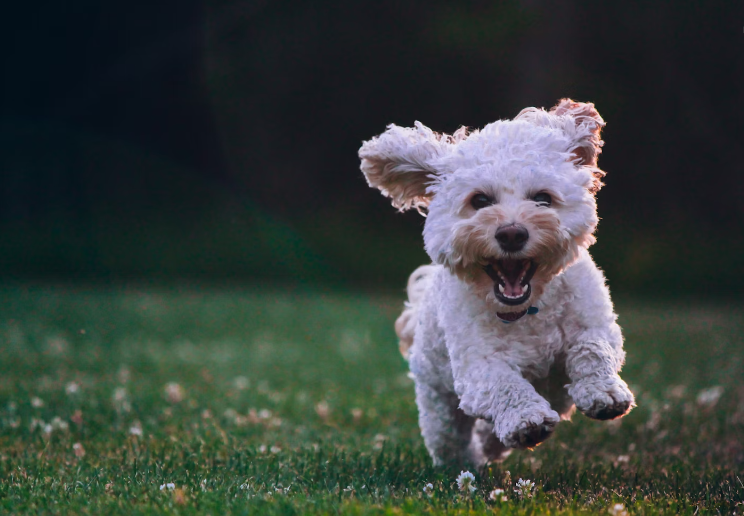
(527, 429)
(605, 397)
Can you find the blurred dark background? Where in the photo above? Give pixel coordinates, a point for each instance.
(216, 140)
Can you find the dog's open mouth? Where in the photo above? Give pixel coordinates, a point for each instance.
(511, 279)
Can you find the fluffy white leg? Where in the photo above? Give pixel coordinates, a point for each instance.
(490, 389)
(446, 429)
(523, 419)
(596, 388)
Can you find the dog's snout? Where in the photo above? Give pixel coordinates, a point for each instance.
(512, 238)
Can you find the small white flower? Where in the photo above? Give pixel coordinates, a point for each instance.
(676, 391)
(274, 422)
(262, 448)
(37, 402)
(465, 481)
(241, 383)
(281, 490)
(78, 449)
(60, 424)
(379, 441)
(524, 488)
(323, 410)
(121, 400)
(169, 486)
(72, 388)
(275, 449)
(136, 429)
(174, 393)
(429, 489)
(242, 486)
(618, 510)
(203, 485)
(709, 397)
(47, 429)
(497, 495)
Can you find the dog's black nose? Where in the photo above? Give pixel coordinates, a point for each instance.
(512, 238)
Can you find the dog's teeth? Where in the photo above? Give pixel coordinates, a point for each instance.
(501, 288)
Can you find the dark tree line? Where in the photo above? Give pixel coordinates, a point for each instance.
(178, 109)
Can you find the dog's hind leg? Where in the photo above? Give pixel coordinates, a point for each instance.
(485, 447)
(446, 429)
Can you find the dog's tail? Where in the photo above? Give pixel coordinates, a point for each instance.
(405, 325)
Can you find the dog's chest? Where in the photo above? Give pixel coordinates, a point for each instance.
(532, 344)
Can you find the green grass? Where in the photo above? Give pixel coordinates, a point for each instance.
(302, 399)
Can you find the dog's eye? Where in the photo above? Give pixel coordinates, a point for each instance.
(480, 200)
(543, 199)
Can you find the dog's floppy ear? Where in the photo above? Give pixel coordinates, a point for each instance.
(399, 163)
(581, 122)
(588, 126)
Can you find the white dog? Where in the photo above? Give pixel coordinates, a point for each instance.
(513, 324)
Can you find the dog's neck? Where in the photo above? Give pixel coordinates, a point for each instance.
(511, 317)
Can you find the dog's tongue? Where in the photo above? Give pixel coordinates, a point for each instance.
(511, 272)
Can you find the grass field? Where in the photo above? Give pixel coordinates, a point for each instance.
(283, 402)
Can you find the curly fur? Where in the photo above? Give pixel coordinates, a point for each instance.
(483, 386)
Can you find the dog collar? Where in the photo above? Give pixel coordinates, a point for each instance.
(511, 317)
